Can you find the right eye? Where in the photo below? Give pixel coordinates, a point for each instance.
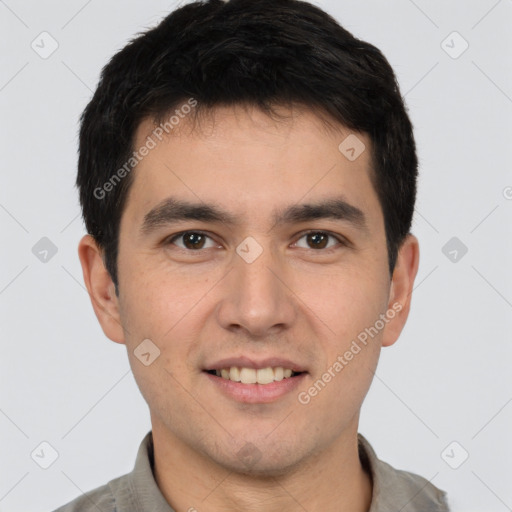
(191, 240)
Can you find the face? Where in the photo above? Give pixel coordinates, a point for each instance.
(250, 248)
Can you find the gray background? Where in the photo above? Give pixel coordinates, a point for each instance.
(448, 377)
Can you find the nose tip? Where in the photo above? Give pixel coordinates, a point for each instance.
(255, 298)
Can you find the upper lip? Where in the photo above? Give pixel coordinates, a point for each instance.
(247, 362)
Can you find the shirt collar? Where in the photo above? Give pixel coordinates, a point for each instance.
(395, 489)
(146, 493)
(392, 489)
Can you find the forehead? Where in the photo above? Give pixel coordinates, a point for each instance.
(248, 161)
(286, 126)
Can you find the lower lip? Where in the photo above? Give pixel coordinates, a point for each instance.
(256, 393)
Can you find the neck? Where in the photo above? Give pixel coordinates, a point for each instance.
(332, 480)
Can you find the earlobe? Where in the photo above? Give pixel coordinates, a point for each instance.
(401, 288)
(101, 289)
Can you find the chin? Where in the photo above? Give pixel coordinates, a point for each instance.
(264, 462)
(263, 469)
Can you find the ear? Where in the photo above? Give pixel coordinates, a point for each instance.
(402, 284)
(101, 288)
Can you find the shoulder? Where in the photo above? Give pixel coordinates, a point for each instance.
(99, 499)
(123, 493)
(409, 490)
(395, 489)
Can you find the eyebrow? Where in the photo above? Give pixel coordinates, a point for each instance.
(174, 210)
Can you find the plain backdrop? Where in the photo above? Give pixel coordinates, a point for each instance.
(442, 393)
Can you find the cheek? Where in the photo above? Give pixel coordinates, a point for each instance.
(163, 309)
(336, 392)
(155, 302)
(346, 314)
(345, 303)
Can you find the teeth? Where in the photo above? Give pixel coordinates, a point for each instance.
(252, 376)
(234, 374)
(265, 376)
(248, 376)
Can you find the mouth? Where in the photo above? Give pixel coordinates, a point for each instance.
(261, 376)
(247, 381)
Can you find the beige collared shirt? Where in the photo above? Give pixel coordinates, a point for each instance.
(393, 490)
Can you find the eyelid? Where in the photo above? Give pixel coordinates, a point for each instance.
(341, 239)
(170, 239)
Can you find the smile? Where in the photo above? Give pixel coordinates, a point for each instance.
(255, 386)
(262, 376)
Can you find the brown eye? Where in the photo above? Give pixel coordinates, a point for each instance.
(319, 240)
(192, 240)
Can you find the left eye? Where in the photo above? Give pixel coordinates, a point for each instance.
(319, 239)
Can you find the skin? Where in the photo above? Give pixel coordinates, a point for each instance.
(294, 301)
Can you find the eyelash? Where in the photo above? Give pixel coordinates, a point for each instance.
(340, 239)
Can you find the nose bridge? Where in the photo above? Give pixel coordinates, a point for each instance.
(256, 298)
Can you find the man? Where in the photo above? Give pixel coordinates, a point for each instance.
(247, 175)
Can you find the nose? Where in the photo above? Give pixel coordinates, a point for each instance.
(256, 297)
